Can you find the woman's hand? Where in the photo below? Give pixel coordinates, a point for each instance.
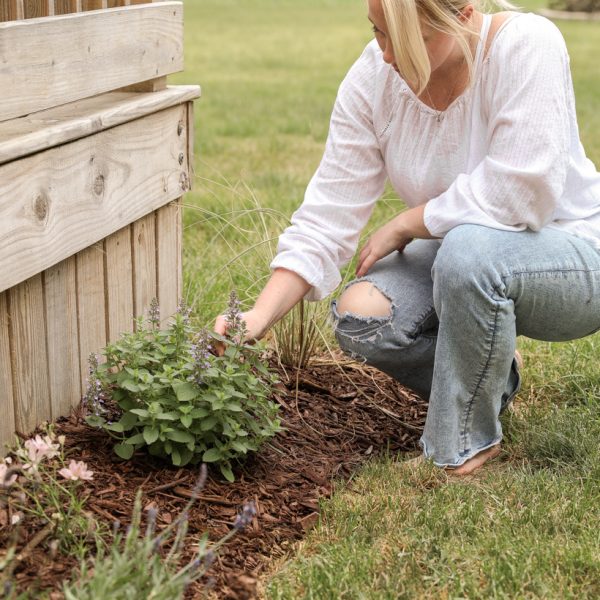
(383, 242)
(394, 235)
(256, 327)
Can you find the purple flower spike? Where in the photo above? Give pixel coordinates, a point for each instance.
(245, 517)
(237, 326)
(200, 351)
(154, 313)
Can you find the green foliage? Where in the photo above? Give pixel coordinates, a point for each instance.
(44, 496)
(172, 396)
(136, 568)
(576, 5)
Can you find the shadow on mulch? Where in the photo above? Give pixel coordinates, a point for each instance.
(336, 414)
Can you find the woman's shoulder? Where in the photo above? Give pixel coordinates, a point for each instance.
(367, 65)
(524, 34)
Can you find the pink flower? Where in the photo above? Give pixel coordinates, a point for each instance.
(4, 467)
(76, 470)
(38, 448)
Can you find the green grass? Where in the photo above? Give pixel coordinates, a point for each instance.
(528, 527)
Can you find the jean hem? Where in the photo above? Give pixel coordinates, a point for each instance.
(462, 459)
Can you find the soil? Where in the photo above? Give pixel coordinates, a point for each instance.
(337, 414)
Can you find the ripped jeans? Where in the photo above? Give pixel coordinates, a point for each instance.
(457, 306)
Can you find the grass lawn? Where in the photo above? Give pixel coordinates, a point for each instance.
(529, 526)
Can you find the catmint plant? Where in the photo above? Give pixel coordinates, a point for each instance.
(135, 566)
(163, 390)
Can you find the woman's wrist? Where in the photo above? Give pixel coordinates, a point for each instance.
(410, 223)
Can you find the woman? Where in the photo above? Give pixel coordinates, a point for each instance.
(471, 117)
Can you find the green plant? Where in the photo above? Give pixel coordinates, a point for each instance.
(41, 494)
(164, 390)
(133, 568)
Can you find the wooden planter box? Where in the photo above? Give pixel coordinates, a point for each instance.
(95, 153)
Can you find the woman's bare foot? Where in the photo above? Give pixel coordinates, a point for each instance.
(477, 461)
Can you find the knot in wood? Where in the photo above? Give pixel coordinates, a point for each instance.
(99, 185)
(181, 157)
(179, 128)
(184, 181)
(40, 207)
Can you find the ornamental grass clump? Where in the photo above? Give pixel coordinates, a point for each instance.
(164, 390)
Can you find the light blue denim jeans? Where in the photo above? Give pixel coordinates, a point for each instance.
(458, 305)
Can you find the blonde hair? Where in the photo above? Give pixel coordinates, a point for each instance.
(404, 18)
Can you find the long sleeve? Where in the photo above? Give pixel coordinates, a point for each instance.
(339, 199)
(528, 98)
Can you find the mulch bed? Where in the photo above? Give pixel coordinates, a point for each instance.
(336, 413)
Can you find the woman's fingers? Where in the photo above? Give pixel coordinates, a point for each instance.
(220, 327)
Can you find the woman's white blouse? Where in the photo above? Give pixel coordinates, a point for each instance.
(505, 154)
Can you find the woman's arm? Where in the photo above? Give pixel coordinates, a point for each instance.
(283, 291)
(394, 235)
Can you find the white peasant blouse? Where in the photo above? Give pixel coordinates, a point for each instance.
(505, 154)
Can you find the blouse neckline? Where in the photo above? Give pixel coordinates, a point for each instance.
(441, 114)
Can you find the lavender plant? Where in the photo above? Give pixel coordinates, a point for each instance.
(137, 568)
(165, 390)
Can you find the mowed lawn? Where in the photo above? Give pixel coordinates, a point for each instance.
(527, 527)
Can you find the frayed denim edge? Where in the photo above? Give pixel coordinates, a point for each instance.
(462, 460)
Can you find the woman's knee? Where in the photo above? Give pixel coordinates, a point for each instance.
(469, 255)
(363, 299)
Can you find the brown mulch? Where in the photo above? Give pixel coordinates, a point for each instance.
(336, 414)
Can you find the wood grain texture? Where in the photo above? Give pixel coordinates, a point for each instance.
(168, 241)
(65, 7)
(10, 10)
(29, 357)
(35, 8)
(56, 126)
(62, 341)
(143, 233)
(55, 203)
(152, 85)
(7, 409)
(119, 283)
(91, 306)
(190, 141)
(49, 62)
(93, 4)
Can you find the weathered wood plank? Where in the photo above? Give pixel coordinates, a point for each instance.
(7, 407)
(168, 252)
(55, 203)
(153, 85)
(119, 283)
(62, 338)
(35, 8)
(56, 126)
(190, 134)
(143, 233)
(91, 307)
(93, 4)
(30, 361)
(49, 62)
(65, 7)
(10, 10)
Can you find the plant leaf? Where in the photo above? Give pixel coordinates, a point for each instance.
(141, 412)
(138, 438)
(124, 450)
(180, 436)
(212, 455)
(150, 434)
(227, 472)
(184, 391)
(128, 420)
